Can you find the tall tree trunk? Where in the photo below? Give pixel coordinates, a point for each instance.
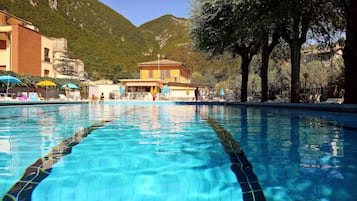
(245, 72)
(350, 53)
(266, 51)
(295, 49)
(295, 35)
(264, 69)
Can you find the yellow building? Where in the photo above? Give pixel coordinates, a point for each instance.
(165, 70)
(175, 75)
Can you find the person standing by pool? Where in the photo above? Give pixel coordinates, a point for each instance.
(153, 91)
(197, 94)
(67, 93)
(101, 100)
(94, 99)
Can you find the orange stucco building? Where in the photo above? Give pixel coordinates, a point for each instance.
(26, 51)
(20, 45)
(23, 49)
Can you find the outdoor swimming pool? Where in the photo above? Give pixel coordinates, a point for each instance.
(168, 152)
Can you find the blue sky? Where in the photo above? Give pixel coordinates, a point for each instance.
(142, 11)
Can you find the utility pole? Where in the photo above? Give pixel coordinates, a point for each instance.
(158, 65)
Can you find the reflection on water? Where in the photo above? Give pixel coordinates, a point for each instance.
(29, 132)
(297, 155)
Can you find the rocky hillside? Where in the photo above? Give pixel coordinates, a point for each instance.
(108, 43)
(167, 31)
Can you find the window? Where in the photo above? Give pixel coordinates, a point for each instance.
(2, 44)
(150, 74)
(167, 74)
(46, 73)
(46, 55)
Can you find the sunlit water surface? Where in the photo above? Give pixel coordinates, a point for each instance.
(163, 152)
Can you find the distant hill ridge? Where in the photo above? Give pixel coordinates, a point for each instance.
(108, 43)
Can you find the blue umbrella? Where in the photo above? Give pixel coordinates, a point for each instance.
(69, 85)
(121, 89)
(8, 79)
(165, 90)
(221, 92)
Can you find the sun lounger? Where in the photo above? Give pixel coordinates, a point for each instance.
(62, 97)
(334, 100)
(22, 97)
(33, 96)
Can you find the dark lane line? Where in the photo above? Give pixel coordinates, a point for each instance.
(41, 168)
(241, 167)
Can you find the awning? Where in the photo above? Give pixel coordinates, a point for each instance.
(141, 83)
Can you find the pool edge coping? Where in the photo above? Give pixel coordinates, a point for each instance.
(328, 107)
(346, 108)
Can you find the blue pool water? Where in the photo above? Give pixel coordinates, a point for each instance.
(164, 152)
